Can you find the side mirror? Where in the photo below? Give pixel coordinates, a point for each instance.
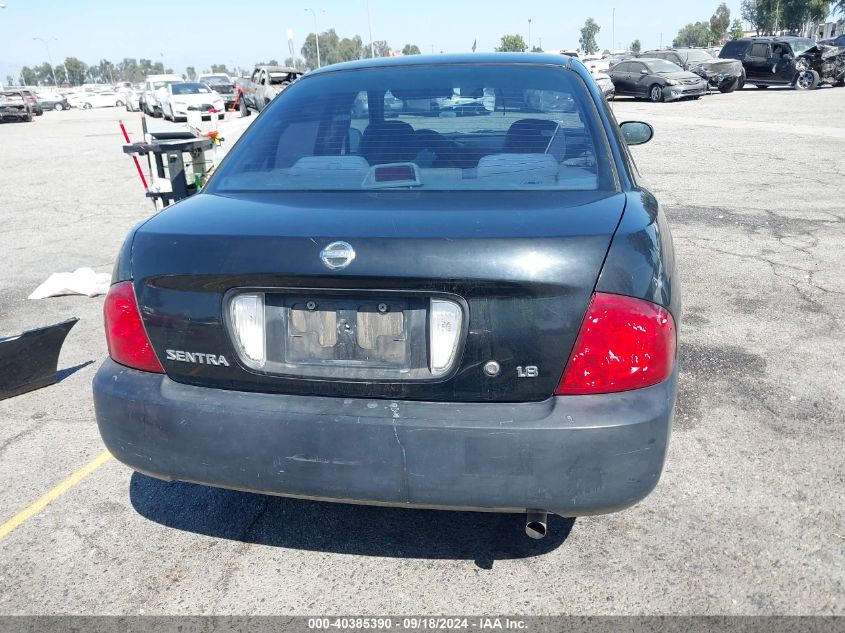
(643, 72)
(636, 132)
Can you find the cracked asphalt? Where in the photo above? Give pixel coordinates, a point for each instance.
(747, 519)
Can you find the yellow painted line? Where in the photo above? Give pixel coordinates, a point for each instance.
(27, 513)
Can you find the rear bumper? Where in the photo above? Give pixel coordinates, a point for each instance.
(571, 455)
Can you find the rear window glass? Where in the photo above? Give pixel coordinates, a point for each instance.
(733, 48)
(450, 127)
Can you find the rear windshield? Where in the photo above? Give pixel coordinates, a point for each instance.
(662, 66)
(455, 127)
(733, 49)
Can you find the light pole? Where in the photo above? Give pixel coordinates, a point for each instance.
(529, 34)
(613, 29)
(49, 57)
(370, 25)
(317, 35)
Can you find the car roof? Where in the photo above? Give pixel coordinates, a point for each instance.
(773, 38)
(279, 69)
(450, 59)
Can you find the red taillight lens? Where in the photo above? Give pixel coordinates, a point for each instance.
(624, 344)
(125, 333)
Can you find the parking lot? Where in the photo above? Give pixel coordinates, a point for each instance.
(749, 517)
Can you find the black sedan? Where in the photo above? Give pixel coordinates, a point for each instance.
(725, 75)
(459, 312)
(656, 80)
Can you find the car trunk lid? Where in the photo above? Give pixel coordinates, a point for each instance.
(521, 266)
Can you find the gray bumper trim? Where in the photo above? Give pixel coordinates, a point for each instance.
(571, 455)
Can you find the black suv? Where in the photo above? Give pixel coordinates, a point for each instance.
(767, 61)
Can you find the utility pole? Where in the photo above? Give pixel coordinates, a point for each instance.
(370, 25)
(316, 35)
(529, 34)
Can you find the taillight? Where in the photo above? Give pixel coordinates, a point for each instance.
(624, 344)
(125, 334)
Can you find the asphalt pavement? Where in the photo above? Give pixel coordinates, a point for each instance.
(747, 519)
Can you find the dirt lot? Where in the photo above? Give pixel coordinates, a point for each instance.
(747, 519)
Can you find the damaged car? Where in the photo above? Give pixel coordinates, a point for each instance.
(656, 80)
(14, 106)
(466, 313)
(820, 65)
(724, 75)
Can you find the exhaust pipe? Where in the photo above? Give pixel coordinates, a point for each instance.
(535, 524)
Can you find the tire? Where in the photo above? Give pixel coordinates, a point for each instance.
(761, 87)
(244, 108)
(58, 107)
(28, 118)
(806, 80)
(742, 81)
(87, 106)
(734, 85)
(118, 103)
(655, 93)
(157, 114)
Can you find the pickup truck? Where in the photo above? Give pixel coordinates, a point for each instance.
(262, 87)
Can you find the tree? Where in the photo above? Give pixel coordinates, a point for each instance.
(295, 62)
(736, 30)
(536, 49)
(221, 68)
(10, 81)
(636, 47)
(838, 7)
(191, 73)
(43, 74)
(797, 15)
(698, 34)
(720, 21)
(588, 36)
(761, 14)
(413, 49)
(76, 71)
(382, 49)
(28, 76)
(128, 70)
(512, 44)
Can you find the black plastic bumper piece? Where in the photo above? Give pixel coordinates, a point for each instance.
(572, 455)
(29, 361)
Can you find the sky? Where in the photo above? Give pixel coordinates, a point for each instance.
(188, 33)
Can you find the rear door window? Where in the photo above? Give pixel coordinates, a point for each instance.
(449, 127)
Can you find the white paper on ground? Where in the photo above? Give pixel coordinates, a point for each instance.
(82, 281)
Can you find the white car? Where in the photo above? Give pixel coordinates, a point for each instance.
(107, 99)
(191, 96)
(155, 89)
